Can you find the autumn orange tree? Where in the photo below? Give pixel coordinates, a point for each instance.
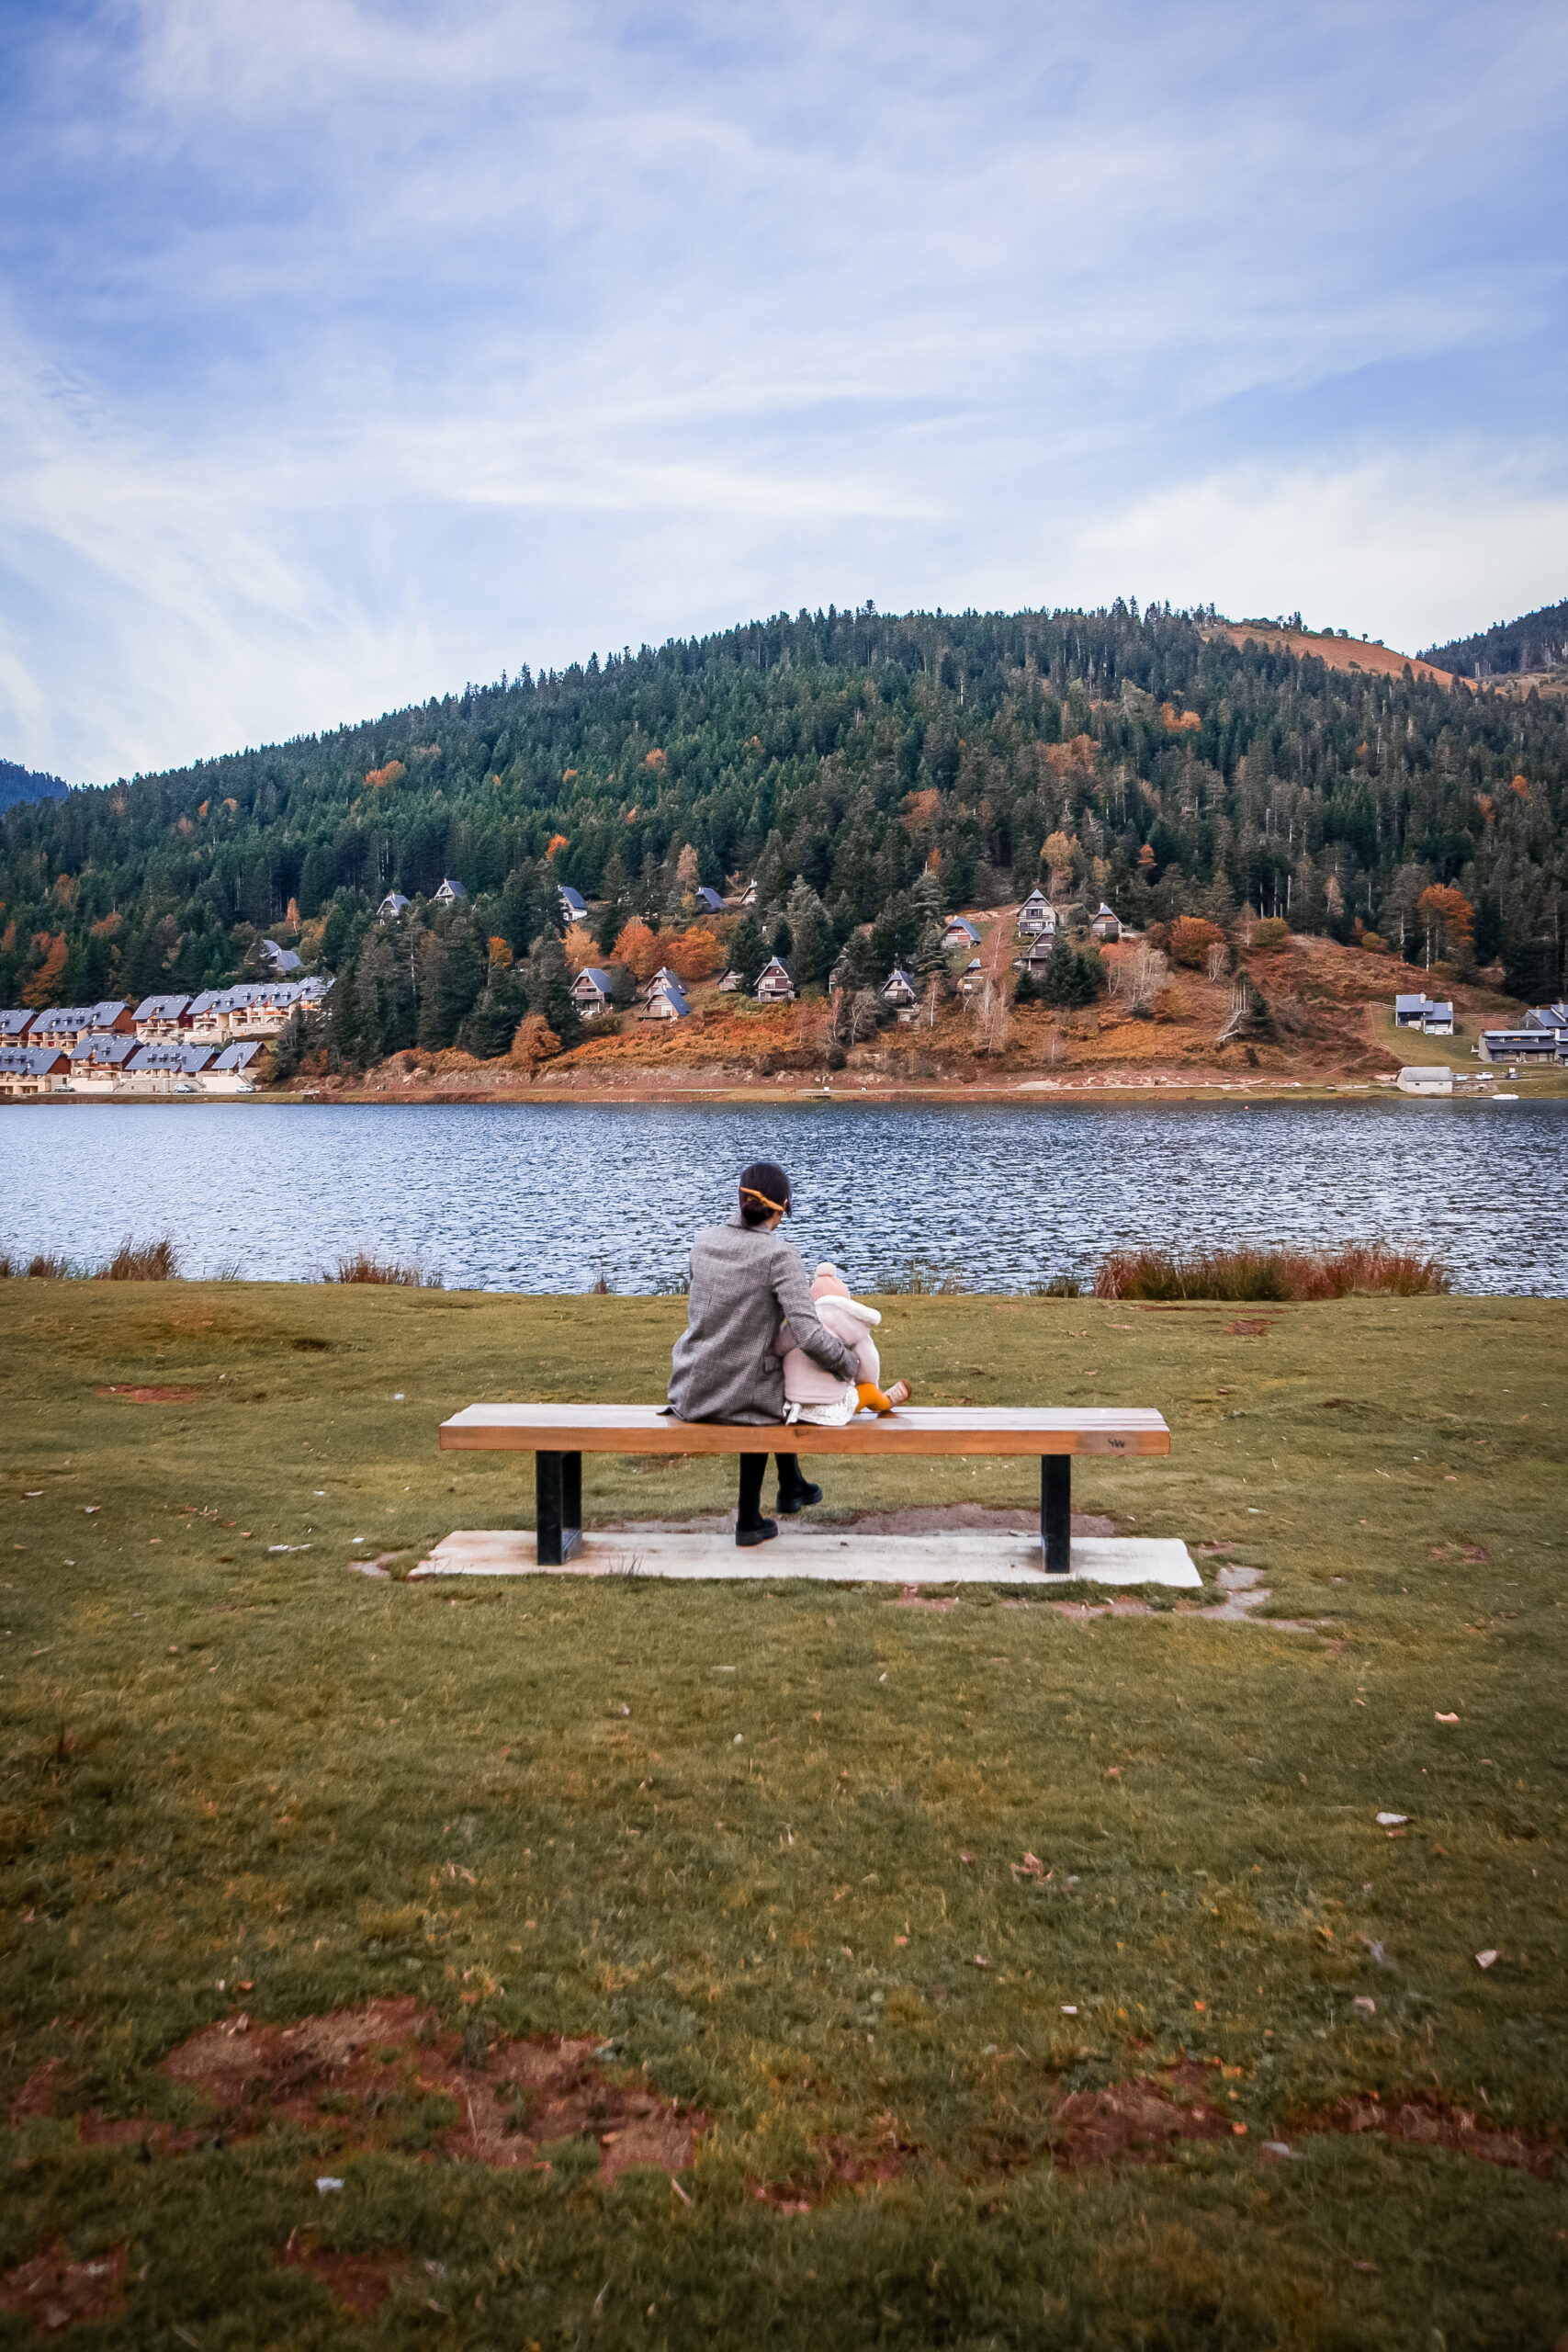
(694, 955)
(640, 949)
(581, 948)
(41, 990)
(1450, 920)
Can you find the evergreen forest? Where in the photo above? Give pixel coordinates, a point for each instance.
(864, 769)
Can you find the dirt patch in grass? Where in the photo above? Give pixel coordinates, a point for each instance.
(841, 2164)
(387, 2076)
(155, 1395)
(55, 2293)
(1428, 2120)
(1138, 2121)
(359, 2282)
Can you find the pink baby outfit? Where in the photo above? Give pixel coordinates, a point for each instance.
(812, 1393)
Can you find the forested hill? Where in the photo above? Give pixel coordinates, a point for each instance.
(846, 751)
(1537, 641)
(25, 784)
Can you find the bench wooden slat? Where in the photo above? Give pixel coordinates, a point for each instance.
(914, 1429)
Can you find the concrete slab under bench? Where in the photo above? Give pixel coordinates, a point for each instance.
(966, 1556)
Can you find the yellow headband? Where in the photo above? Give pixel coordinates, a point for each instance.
(749, 1193)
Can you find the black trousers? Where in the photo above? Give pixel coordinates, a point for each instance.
(752, 1467)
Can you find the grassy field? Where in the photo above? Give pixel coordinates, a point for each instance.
(750, 1848)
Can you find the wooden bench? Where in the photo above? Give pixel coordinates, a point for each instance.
(558, 1436)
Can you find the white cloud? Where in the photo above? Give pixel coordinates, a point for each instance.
(371, 348)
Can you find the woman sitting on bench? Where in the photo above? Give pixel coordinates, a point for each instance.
(746, 1281)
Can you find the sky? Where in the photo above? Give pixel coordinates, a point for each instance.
(352, 351)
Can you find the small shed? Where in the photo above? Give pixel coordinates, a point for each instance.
(451, 894)
(773, 984)
(1426, 1078)
(591, 991)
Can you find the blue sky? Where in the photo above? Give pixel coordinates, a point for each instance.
(351, 351)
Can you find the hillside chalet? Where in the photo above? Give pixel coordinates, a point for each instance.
(573, 905)
(451, 894)
(709, 902)
(394, 905)
(1107, 923)
(666, 1001)
(591, 991)
(1036, 915)
(960, 932)
(899, 989)
(773, 984)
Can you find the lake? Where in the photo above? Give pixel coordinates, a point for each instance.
(538, 1197)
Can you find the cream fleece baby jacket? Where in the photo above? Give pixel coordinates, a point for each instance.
(806, 1381)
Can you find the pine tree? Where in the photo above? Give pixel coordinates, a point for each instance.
(812, 945)
(549, 989)
(747, 950)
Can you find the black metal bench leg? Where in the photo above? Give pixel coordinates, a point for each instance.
(557, 1508)
(1056, 1513)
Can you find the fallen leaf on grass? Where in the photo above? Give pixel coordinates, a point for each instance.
(1485, 1959)
(1445, 1719)
(979, 1961)
(1031, 1867)
(1364, 2002)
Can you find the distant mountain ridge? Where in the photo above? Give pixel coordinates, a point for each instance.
(18, 784)
(1537, 640)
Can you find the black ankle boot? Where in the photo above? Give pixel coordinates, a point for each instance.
(750, 1527)
(796, 1493)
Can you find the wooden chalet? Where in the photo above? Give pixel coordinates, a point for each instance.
(773, 984)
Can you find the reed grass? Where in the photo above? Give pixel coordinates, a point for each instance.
(1271, 1275)
(142, 1261)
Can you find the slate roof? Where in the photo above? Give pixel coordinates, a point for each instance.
(597, 974)
(283, 959)
(452, 893)
(29, 1061)
(239, 1056)
(102, 1051)
(573, 901)
(394, 903)
(710, 902)
(169, 1054)
(15, 1022)
(160, 1007)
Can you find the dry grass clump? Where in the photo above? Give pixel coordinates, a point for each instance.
(1278, 1275)
(142, 1261)
(366, 1266)
(133, 1261)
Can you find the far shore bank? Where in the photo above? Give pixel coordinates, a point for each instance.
(1543, 1086)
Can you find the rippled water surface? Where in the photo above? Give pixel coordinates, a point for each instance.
(535, 1196)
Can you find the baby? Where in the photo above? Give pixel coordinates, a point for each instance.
(814, 1395)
